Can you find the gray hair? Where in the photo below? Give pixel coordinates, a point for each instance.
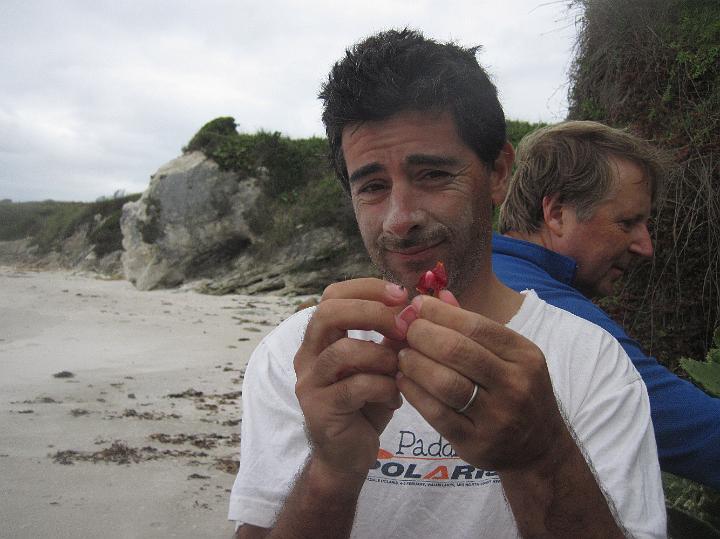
(573, 160)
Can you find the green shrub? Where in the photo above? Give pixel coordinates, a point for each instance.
(20, 220)
(59, 225)
(693, 509)
(49, 223)
(321, 202)
(212, 135)
(288, 163)
(517, 129)
(706, 373)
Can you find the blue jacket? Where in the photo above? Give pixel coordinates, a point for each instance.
(686, 420)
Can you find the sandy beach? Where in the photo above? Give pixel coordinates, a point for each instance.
(120, 410)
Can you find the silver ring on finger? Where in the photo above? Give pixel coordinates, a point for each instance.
(470, 401)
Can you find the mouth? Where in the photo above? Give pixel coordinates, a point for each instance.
(412, 250)
(417, 252)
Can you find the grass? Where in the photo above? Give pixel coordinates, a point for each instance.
(49, 223)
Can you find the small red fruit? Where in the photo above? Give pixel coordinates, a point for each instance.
(432, 281)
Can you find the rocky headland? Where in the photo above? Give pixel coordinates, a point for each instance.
(218, 227)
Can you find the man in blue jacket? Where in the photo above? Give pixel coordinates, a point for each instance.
(573, 221)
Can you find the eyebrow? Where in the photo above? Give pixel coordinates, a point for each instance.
(637, 218)
(412, 160)
(433, 160)
(365, 170)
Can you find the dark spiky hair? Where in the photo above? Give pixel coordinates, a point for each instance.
(401, 70)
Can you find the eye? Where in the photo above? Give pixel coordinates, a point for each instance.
(626, 224)
(369, 190)
(435, 175)
(371, 187)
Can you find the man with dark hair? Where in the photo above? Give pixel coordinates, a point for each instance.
(574, 220)
(479, 412)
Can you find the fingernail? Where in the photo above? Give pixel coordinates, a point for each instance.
(395, 290)
(404, 318)
(408, 315)
(448, 297)
(417, 302)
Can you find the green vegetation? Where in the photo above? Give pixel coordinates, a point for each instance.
(48, 223)
(288, 163)
(298, 191)
(706, 373)
(20, 220)
(693, 510)
(653, 67)
(517, 129)
(321, 202)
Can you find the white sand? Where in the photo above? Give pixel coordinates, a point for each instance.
(128, 351)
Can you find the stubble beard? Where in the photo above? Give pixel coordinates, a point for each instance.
(463, 262)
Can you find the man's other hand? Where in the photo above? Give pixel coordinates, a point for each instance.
(346, 387)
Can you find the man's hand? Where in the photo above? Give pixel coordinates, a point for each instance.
(346, 387)
(513, 424)
(347, 391)
(514, 419)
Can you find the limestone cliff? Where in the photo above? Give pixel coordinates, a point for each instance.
(188, 223)
(191, 225)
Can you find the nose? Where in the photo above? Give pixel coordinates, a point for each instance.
(403, 212)
(642, 243)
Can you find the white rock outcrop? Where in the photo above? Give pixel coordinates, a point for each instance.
(190, 220)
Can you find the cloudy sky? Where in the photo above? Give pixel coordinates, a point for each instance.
(95, 95)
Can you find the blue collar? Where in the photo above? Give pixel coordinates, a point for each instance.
(560, 267)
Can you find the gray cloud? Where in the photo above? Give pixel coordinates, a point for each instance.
(97, 95)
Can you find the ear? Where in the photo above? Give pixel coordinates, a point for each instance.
(553, 211)
(500, 175)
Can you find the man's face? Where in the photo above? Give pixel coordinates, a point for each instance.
(420, 195)
(606, 245)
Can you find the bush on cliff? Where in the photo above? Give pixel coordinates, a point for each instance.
(49, 223)
(288, 163)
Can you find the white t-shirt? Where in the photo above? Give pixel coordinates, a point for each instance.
(419, 487)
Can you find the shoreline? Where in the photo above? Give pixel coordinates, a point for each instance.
(141, 439)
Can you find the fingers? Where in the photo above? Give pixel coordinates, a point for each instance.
(342, 368)
(353, 393)
(358, 304)
(448, 297)
(333, 318)
(445, 384)
(367, 288)
(351, 356)
(495, 337)
(456, 351)
(454, 427)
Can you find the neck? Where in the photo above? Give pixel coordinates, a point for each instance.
(488, 297)
(540, 237)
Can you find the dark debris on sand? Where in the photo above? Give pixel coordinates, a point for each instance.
(121, 453)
